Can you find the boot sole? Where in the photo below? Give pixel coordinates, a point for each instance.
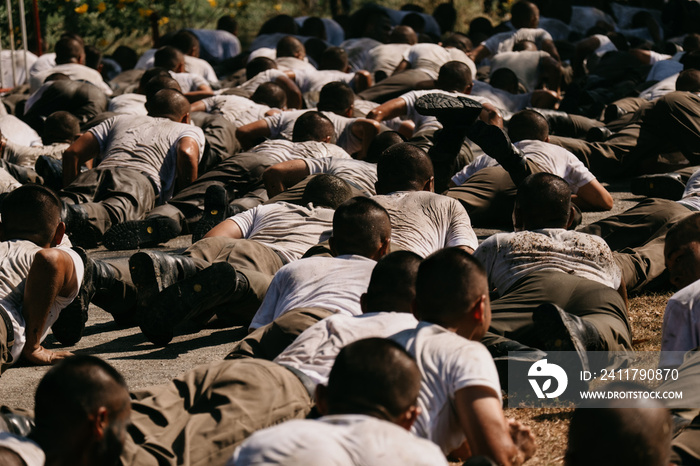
(215, 205)
(555, 333)
(450, 107)
(658, 186)
(135, 234)
(185, 300)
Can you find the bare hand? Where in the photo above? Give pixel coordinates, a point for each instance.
(43, 357)
(522, 438)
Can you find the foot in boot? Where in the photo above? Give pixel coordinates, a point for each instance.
(215, 211)
(665, 186)
(153, 271)
(560, 331)
(449, 109)
(190, 299)
(68, 328)
(78, 227)
(136, 234)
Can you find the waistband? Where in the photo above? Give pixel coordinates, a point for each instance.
(305, 380)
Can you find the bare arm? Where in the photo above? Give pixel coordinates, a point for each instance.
(290, 88)
(363, 80)
(583, 48)
(85, 148)
(187, 161)
(228, 229)
(487, 431)
(479, 53)
(281, 176)
(202, 92)
(549, 47)
(251, 134)
(198, 107)
(593, 196)
(388, 110)
(404, 65)
(365, 130)
(51, 274)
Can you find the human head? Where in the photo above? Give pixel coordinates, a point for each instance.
(504, 79)
(415, 21)
(403, 35)
(524, 46)
(375, 377)
(479, 29)
(528, 124)
(326, 190)
(33, 213)
(290, 46)
(93, 57)
(313, 27)
(621, 433)
(258, 65)
(283, 24)
(382, 142)
(313, 126)
(682, 251)
(361, 226)
(691, 42)
(691, 60)
(336, 97)
(370, 21)
(446, 16)
(148, 75)
(69, 50)
(169, 103)
(270, 94)
(170, 58)
(392, 286)
(186, 42)
(228, 23)
(334, 58)
(688, 80)
(82, 409)
(524, 14)
(60, 127)
(455, 76)
(458, 41)
(404, 167)
(160, 82)
(126, 57)
(543, 201)
(452, 291)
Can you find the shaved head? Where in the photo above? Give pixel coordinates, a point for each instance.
(403, 167)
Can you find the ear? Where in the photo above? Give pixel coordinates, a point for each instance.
(100, 422)
(58, 234)
(468, 89)
(331, 244)
(327, 139)
(572, 216)
(180, 67)
(363, 302)
(321, 396)
(546, 139)
(478, 309)
(186, 119)
(409, 417)
(429, 185)
(349, 111)
(517, 219)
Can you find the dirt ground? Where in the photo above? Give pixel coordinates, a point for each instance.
(144, 364)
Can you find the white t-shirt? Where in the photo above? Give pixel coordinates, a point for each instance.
(386, 57)
(145, 144)
(45, 62)
(9, 61)
(236, 109)
(282, 126)
(660, 89)
(7, 182)
(691, 194)
(333, 283)
(505, 41)
(74, 71)
(508, 257)
(313, 80)
(19, 132)
(250, 86)
(681, 327)
(430, 57)
(665, 68)
(314, 351)
(447, 363)
(358, 52)
(202, 68)
(26, 156)
(549, 158)
(16, 257)
(525, 65)
(339, 440)
(271, 225)
(502, 100)
(360, 173)
(128, 104)
(293, 64)
(188, 82)
(424, 222)
(281, 150)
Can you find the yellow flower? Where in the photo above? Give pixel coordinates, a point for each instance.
(212, 3)
(239, 5)
(101, 7)
(81, 9)
(145, 11)
(277, 7)
(164, 20)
